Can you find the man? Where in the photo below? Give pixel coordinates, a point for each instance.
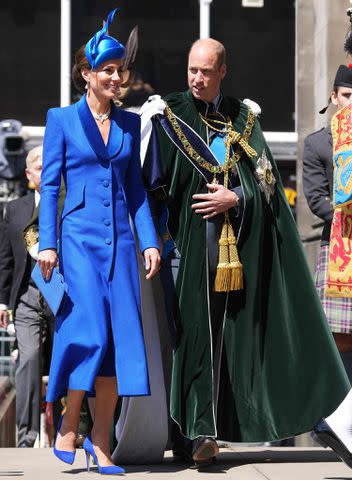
(19, 294)
(317, 185)
(254, 359)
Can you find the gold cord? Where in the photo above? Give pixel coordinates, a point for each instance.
(234, 136)
(229, 272)
(227, 125)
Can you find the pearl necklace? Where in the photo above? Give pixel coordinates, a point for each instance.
(101, 117)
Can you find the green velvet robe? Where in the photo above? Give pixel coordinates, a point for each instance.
(280, 370)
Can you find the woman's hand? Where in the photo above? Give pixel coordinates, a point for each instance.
(152, 261)
(47, 260)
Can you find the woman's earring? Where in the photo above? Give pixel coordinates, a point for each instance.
(87, 85)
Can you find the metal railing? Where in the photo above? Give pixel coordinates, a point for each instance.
(7, 364)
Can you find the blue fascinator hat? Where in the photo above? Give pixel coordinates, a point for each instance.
(102, 47)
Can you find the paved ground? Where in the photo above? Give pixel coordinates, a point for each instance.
(235, 463)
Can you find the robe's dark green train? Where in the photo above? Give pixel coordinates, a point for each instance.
(280, 370)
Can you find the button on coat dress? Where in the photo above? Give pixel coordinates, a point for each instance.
(98, 329)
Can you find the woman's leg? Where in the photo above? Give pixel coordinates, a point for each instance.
(105, 403)
(66, 438)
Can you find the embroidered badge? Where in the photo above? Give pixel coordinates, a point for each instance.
(264, 175)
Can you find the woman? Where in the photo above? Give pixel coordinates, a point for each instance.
(98, 344)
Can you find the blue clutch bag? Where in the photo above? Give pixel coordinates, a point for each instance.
(52, 290)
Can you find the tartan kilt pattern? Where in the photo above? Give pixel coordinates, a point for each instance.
(338, 311)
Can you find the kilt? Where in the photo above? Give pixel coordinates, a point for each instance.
(338, 311)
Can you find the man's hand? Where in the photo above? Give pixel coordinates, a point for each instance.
(152, 262)
(218, 201)
(47, 260)
(4, 318)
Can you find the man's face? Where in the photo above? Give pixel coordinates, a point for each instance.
(34, 173)
(204, 73)
(342, 97)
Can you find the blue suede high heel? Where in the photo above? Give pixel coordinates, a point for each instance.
(110, 470)
(63, 455)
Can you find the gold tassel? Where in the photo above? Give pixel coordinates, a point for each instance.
(223, 273)
(229, 272)
(31, 237)
(235, 264)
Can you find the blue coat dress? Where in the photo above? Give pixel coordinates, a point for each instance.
(98, 330)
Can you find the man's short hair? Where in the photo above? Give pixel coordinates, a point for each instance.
(218, 47)
(221, 54)
(33, 155)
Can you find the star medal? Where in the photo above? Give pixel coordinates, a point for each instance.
(264, 175)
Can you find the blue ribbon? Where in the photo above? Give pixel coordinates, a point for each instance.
(97, 37)
(102, 47)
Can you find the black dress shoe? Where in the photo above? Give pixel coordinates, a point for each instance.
(182, 454)
(182, 448)
(204, 451)
(327, 438)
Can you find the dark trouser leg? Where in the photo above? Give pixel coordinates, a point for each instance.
(344, 345)
(168, 276)
(217, 312)
(347, 362)
(182, 446)
(28, 376)
(217, 300)
(204, 449)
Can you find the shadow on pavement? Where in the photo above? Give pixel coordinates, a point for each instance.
(225, 461)
(11, 473)
(76, 471)
(282, 456)
(228, 460)
(165, 467)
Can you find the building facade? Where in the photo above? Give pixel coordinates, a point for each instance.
(260, 46)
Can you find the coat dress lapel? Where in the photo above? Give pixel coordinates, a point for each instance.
(115, 141)
(93, 134)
